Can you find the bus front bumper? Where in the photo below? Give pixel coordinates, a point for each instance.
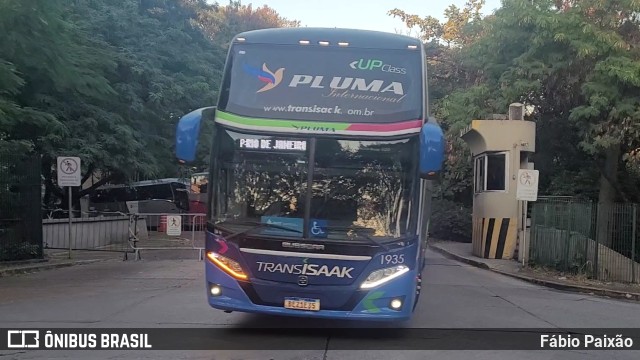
(375, 305)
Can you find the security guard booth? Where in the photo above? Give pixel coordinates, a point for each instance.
(499, 149)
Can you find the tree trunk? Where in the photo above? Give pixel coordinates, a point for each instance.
(607, 194)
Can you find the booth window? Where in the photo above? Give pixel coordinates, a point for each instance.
(491, 172)
(480, 171)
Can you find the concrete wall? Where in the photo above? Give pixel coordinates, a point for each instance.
(494, 238)
(500, 135)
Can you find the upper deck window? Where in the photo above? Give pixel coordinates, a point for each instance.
(325, 83)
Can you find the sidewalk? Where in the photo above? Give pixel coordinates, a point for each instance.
(55, 259)
(462, 252)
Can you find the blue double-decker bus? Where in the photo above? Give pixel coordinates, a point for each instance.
(320, 178)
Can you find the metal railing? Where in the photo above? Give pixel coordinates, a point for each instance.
(601, 241)
(88, 231)
(167, 232)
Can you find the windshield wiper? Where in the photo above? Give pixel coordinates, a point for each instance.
(255, 225)
(359, 231)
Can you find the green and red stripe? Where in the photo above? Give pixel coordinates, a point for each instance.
(404, 127)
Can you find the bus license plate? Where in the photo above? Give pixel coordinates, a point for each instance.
(302, 304)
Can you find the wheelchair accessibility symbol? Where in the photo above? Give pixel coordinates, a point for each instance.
(318, 229)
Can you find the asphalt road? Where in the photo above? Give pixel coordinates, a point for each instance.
(170, 293)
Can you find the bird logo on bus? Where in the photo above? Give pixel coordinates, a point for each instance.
(272, 79)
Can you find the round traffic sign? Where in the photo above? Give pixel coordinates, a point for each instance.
(68, 166)
(527, 179)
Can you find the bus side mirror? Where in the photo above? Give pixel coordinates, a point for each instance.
(188, 131)
(431, 150)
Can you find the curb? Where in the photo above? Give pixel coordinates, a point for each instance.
(551, 284)
(24, 262)
(459, 258)
(31, 269)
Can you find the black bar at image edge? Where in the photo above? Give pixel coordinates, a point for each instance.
(312, 339)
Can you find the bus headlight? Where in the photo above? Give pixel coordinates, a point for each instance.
(381, 276)
(215, 290)
(227, 265)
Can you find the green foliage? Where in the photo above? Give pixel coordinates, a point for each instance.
(575, 62)
(19, 251)
(155, 84)
(108, 80)
(582, 75)
(450, 221)
(236, 18)
(457, 110)
(452, 31)
(33, 43)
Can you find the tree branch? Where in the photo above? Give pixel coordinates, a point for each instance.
(53, 188)
(88, 174)
(100, 182)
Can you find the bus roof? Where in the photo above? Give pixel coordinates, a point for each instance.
(354, 38)
(145, 183)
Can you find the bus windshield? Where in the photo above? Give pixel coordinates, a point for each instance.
(359, 189)
(323, 83)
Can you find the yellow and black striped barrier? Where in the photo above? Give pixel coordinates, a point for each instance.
(494, 238)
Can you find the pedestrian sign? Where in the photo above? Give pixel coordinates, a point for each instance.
(69, 171)
(527, 185)
(174, 225)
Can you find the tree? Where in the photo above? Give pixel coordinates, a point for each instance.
(50, 72)
(108, 81)
(222, 23)
(580, 70)
(455, 92)
(576, 62)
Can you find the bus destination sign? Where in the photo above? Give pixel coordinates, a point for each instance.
(273, 144)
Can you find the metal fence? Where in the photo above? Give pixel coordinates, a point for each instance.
(577, 236)
(88, 231)
(167, 232)
(20, 199)
(125, 233)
